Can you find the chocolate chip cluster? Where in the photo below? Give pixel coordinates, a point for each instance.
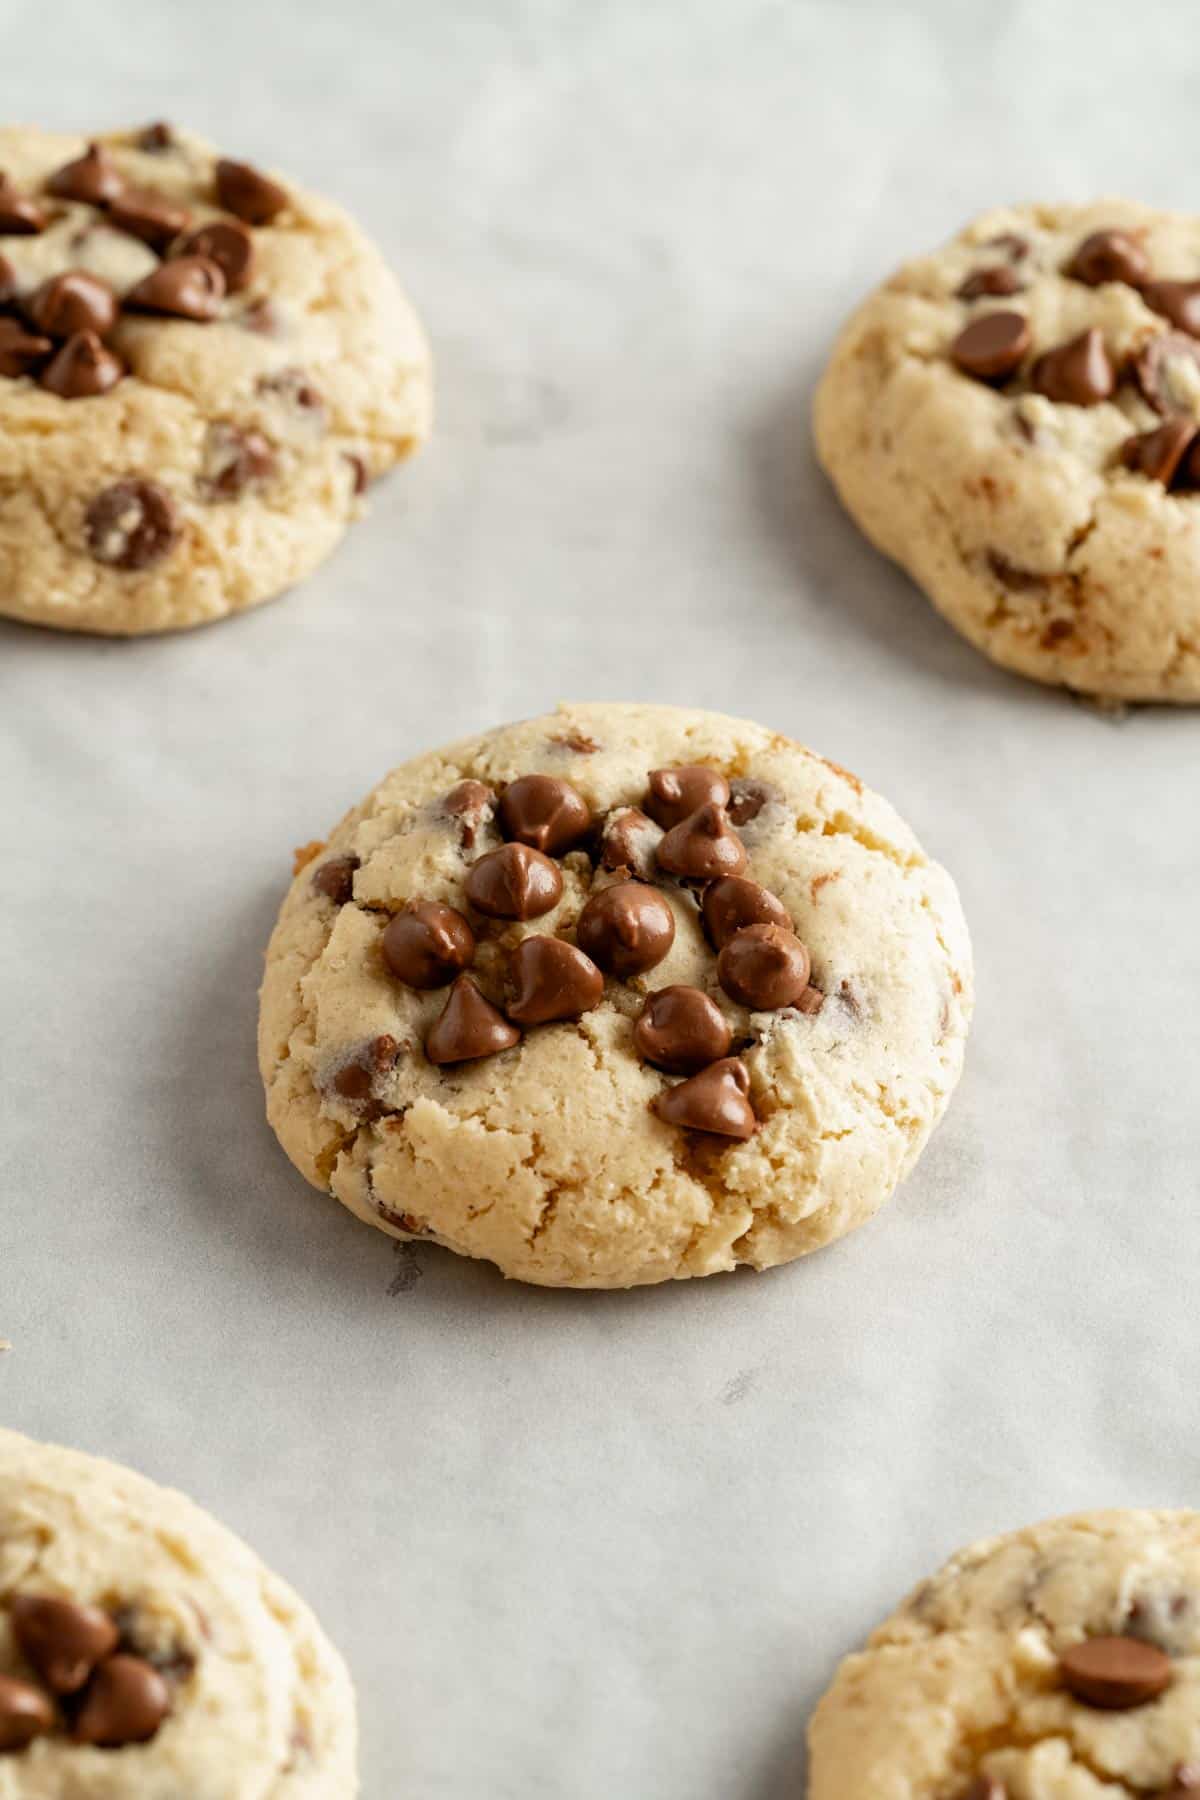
(685, 834)
(1113, 1674)
(1081, 372)
(90, 1686)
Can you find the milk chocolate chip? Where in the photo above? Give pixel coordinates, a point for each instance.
(242, 190)
(83, 368)
(1167, 370)
(764, 967)
(229, 244)
(427, 944)
(25, 1713)
(187, 287)
(125, 1703)
(236, 457)
(1158, 454)
(1178, 301)
(993, 347)
(514, 882)
(156, 138)
(703, 847)
(470, 802)
(716, 1100)
(62, 1639)
(1077, 373)
(553, 981)
(20, 350)
(1115, 1673)
(150, 217)
(1109, 256)
(358, 1077)
(93, 178)
(997, 282)
(19, 215)
(335, 879)
(8, 282)
(681, 1030)
(74, 302)
(673, 794)
(132, 524)
(731, 905)
(469, 1027)
(629, 841)
(626, 928)
(544, 812)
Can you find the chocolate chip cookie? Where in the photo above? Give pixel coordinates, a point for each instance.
(1016, 420)
(1057, 1662)
(145, 1650)
(201, 369)
(617, 995)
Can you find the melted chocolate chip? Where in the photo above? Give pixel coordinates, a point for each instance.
(1077, 373)
(8, 282)
(716, 1100)
(156, 138)
(514, 882)
(19, 215)
(335, 879)
(294, 389)
(229, 244)
(20, 350)
(544, 812)
(673, 794)
(251, 196)
(681, 1030)
(427, 944)
(74, 302)
(764, 967)
(62, 1639)
(359, 1076)
(996, 282)
(734, 903)
(93, 178)
(810, 1002)
(993, 347)
(25, 1713)
(1158, 454)
(1178, 301)
(187, 287)
(469, 1027)
(83, 368)
(125, 1703)
(1115, 1673)
(553, 981)
(1155, 368)
(236, 457)
(150, 217)
(1109, 256)
(702, 847)
(626, 928)
(471, 803)
(628, 841)
(746, 800)
(132, 524)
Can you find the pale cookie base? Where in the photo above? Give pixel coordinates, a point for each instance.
(547, 1159)
(1011, 513)
(342, 322)
(963, 1680)
(267, 1711)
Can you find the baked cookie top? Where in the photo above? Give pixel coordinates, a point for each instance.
(615, 995)
(201, 368)
(1058, 1663)
(144, 1650)
(1015, 419)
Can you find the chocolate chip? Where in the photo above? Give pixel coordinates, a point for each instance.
(132, 524)
(236, 457)
(125, 1703)
(8, 282)
(156, 138)
(1157, 454)
(294, 388)
(358, 472)
(150, 217)
(19, 215)
(1015, 247)
(83, 368)
(810, 1002)
(764, 967)
(1109, 256)
(427, 944)
(1185, 1783)
(514, 882)
(1115, 1673)
(25, 1713)
(746, 800)
(251, 196)
(672, 794)
(188, 287)
(1178, 301)
(681, 1030)
(261, 317)
(1077, 373)
(470, 1026)
(542, 811)
(229, 244)
(553, 981)
(20, 350)
(628, 841)
(985, 1788)
(626, 928)
(93, 178)
(734, 903)
(359, 1076)
(74, 302)
(703, 847)
(335, 879)
(471, 803)
(997, 282)
(1155, 368)
(62, 1639)
(716, 1100)
(993, 347)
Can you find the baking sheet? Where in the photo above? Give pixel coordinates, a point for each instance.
(595, 1545)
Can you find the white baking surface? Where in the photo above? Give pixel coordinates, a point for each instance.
(604, 1547)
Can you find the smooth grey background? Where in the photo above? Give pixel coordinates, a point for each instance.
(579, 1547)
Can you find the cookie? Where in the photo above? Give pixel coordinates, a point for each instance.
(618, 995)
(201, 368)
(1015, 421)
(1057, 1663)
(144, 1650)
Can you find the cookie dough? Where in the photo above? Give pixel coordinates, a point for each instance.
(618, 995)
(1014, 419)
(144, 1650)
(1058, 1663)
(201, 369)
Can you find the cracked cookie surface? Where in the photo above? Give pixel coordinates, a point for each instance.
(200, 371)
(979, 1685)
(567, 1158)
(255, 1702)
(1035, 482)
